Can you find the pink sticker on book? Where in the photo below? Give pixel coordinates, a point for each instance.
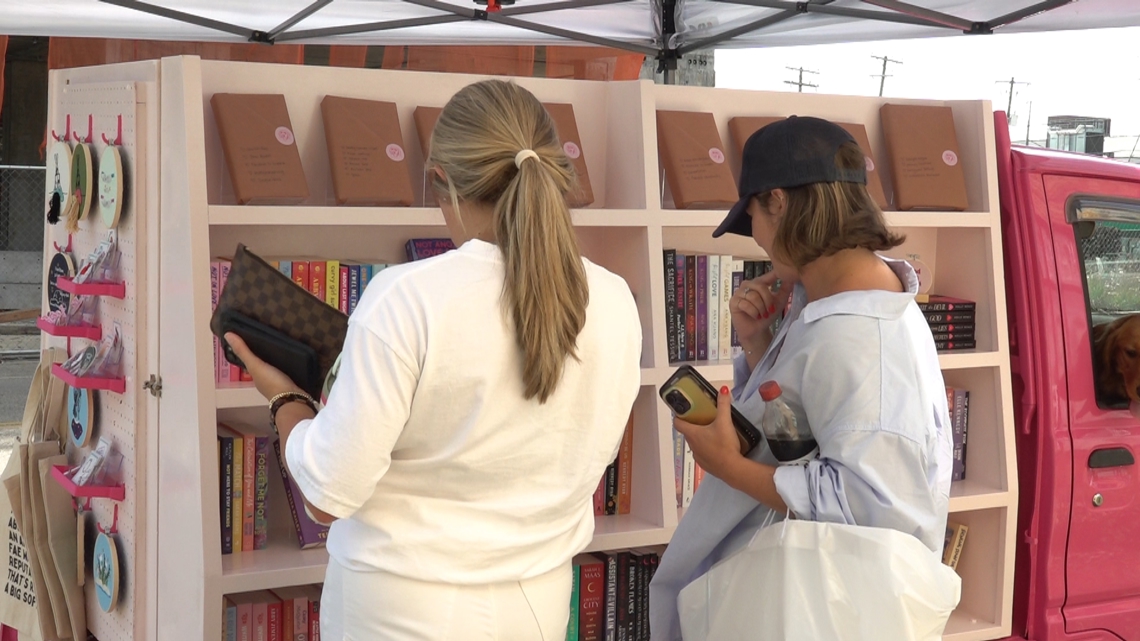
(395, 152)
(284, 136)
(950, 158)
(870, 163)
(571, 150)
(716, 155)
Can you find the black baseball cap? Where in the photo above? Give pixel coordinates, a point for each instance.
(792, 152)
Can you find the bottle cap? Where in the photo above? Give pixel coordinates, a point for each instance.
(769, 390)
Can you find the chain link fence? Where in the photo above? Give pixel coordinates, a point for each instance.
(21, 208)
(1112, 267)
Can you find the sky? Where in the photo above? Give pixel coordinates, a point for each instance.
(1086, 73)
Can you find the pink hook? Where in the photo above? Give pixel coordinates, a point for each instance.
(114, 529)
(66, 249)
(66, 131)
(118, 141)
(90, 130)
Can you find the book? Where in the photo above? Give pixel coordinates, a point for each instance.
(226, 486)
(702, 307)
(611, 488)
(713, 323)
(625, 468)
(420, 248)
(679, 465)
(682, 338)
(575, 595)
(260, 148)
(366, 152)
(670, 261)
(314, 592)
(229, 621)
(295, 613)
(567, 128)
(238, 485)
(230, 372)
(611, 602)
(693, 158)
(626, 589)
(592, 590)
(243, 603)
(689, 476)
(961, 335)
(425, 118)
(600, 497)
(952, 328)
(691, 308)
(724, 352)
(922, 151)
(310, 534)
(342, 288)
(318, 279)
(944, 304)
(954, 543)
(954, 346)
(964, 317)
(215, 290)
(332, 283)
(740, 129)
(959, 420)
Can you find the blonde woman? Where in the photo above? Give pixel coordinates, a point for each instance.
(479, 398)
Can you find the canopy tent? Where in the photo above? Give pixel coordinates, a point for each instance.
(664, 29)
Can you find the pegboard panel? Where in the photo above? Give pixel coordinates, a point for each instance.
(96, 109)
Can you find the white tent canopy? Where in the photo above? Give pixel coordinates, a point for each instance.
(658, 28)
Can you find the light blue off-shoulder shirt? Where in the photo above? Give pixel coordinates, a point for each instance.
(860, 368)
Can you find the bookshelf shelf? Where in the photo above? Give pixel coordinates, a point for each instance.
(278, 565)
(625, 230)
(301, 216)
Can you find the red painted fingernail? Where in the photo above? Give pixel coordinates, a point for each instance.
(724, 389)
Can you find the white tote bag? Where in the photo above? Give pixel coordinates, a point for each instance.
(809, 581)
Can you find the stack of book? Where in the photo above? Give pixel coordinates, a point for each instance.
(283, 614)
(610, 595)
(958, 401)
(615, 489)
(243, 469)
(951, 321)
(955, 541)
(698, 322)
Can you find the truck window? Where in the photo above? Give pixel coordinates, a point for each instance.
(1108, 241)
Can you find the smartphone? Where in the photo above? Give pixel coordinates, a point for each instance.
(693, 399)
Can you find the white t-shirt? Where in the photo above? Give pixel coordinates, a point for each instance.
(426, 451)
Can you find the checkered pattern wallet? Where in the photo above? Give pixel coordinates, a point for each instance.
(258, 291)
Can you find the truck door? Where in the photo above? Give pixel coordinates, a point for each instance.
(1096, 238)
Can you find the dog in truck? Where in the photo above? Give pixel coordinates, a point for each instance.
(1116, 359)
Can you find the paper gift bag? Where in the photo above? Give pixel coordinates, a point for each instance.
(60, 546)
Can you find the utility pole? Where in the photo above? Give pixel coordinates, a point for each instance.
(1027, 121)
(1012, 83)
(800, 83)
(883, 76)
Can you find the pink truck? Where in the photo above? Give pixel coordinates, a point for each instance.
(1071, 235)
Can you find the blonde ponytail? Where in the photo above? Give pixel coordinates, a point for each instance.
(478, 142)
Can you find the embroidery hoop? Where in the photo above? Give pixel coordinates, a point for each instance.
(80, 416)
(111, 164)
(61, 265)
(105, 568)
(59, 165)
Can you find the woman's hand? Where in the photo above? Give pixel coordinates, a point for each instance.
(269, 380)
(715, 446)
(754, 308)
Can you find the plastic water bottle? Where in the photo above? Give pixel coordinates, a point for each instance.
(789, 441)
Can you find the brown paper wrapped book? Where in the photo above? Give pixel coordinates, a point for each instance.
(564, 123)
(692, 155)
(741, 128)
(366, 152)
(260, 148)
(567, 128)
(922, 147)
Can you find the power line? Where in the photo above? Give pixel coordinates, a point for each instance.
(1011, 83)
(883, 76)
(800, 83)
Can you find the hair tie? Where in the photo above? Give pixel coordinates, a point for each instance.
(523, 155)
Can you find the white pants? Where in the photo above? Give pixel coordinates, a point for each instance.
(378, 606)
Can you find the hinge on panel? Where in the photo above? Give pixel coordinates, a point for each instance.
(154, 386)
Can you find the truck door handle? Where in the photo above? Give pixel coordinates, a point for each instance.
(1111, 457)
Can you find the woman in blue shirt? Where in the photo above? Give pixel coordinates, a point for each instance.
(854, 357)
